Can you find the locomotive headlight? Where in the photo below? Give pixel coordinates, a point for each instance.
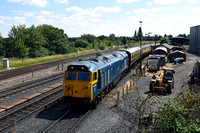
(88, 86)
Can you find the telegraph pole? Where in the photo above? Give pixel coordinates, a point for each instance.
(140, 34)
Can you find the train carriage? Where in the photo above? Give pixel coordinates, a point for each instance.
(88, 80)
(134, 53)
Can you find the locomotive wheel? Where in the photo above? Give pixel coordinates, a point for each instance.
(151, 87)
(169, 88)
(94, 103)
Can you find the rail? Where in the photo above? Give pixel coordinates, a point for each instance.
(19, 88)
(21, 111)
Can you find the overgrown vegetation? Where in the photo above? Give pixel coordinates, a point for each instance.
(155, 114)
(181, 114)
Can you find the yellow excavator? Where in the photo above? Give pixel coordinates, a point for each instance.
(163, 81)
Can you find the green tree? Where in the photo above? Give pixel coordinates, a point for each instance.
(102, 37)
(164, 40)
(112, 35)
(124, 40)
(81, 43)
(35, 42)
(1, 46)
(18, 36)
(21, 49)
(57, 40)
(88, 37)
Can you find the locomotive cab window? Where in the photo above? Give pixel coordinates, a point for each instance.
(70, 76)
(94, 76)
(84, 76)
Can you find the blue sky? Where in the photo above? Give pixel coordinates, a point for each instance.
(102, 17)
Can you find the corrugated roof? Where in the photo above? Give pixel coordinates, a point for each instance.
(161, 48)
(167, 45)
(177, 51)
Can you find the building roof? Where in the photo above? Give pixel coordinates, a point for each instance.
(161, 48)
(177, 51)
(179, 37)
(167, 46)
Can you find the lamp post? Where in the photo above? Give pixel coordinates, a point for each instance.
(140, 34)
(155, 38)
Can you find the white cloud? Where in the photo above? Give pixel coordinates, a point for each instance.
(98, 10)
(106, 9)
(1, 22)
(88, 14)
(62, 1)
(194, 10)
(24, 13)
(15, 20)
(127, 1)
(149, 3)
(39, 3)
(148, 11)
(170, 9)
(43, 20)
(20, 20)
(127, 13)
(166, 2)
(47, 13)
(74, 9)
(192, 1)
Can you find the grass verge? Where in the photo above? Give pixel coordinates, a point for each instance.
(16, 63)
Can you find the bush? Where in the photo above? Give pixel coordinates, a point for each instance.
(180, 114)
(81, 43)
(101, 47)
(80, 59)
(126, 46)
(98, 53)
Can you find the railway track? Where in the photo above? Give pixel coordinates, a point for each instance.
(26, 86)
(70, 123)
(20, 71)
(28, 105)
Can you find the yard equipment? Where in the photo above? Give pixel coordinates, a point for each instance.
(153, 63)
(163, 81)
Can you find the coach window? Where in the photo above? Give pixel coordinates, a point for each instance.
(94, 76)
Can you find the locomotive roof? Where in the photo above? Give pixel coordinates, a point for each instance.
(94, 64)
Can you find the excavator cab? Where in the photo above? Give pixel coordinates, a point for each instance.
(168, 74)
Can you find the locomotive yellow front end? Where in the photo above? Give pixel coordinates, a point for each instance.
(78, 84)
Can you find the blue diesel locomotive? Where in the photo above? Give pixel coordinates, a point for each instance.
(89, 80)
